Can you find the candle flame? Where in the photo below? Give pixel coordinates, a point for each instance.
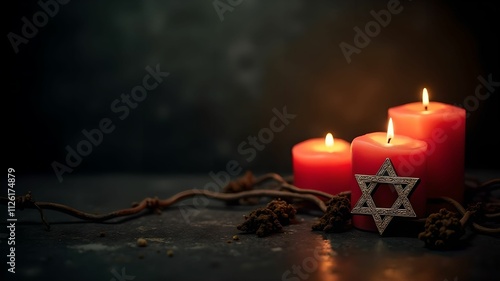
(425, 98)
(329, 141)
(390, 131)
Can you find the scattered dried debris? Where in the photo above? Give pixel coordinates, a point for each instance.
(141, 242)
(283, 210)
(243, 183)
(268, 220)
(337, 217)
(442, 230)
(262, 222)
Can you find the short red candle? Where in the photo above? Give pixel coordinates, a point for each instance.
(369, 153)
(321, 167)
(442, 126)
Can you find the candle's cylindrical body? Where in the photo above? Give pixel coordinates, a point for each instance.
(368, 153)
(442, 126)
(317, 167)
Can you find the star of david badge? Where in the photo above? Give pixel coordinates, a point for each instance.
(383, 216)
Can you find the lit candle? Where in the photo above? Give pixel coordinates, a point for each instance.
(369, 152)
(322, 164)
(442, 126)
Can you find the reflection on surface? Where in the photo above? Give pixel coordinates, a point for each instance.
(328, 265)
(337, 259)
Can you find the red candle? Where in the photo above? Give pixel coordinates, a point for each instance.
(322, 164)
(369, 152)
(442, 126)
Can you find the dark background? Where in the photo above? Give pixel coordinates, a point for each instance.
(227, 76)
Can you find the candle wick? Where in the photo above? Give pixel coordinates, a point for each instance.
(425, 107)
(389, 140)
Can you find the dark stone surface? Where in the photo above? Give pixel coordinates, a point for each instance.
(198, 237)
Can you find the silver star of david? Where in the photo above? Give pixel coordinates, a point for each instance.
(368, 183)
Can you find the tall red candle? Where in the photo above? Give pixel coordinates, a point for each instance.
(368, 153)
(442, 126)
(322, 164)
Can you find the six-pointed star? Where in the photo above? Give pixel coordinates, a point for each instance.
(367, 183)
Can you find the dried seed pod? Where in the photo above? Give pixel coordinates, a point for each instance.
(337, 217)
(443, 230)
(262, 222)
